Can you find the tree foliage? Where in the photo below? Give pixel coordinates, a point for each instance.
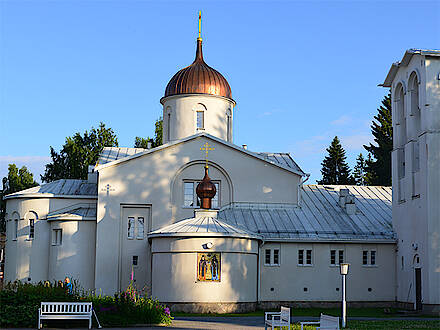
(334, 169)
(17, 180)
(379, 167)
(360, 174)
(78, 152)
(141, 142)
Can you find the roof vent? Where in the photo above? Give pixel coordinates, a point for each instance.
(347, 201)
(244, 146)
(149, 145)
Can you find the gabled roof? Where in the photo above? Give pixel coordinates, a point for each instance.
(405, 61)
(65, 188)
(114, 155)
(80, 211)
(319, 216)
(203, 226)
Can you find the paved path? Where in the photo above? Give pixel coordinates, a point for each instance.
(245, 322)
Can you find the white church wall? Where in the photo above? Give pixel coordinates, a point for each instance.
(175, 270)
(148, 180)
(321, 281)
(28, 259)
(180, 116)
(75, 256)
(416, 198)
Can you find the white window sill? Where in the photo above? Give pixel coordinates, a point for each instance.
(272, 265)
(300, 265)
(370, 266)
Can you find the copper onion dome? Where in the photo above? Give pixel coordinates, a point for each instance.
(198, 78)
(206, 191)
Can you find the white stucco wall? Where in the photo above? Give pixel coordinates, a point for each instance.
(155, 180)
(175, 270)
(29, 259)
(289, 279)
(416, 196)
(183, 122)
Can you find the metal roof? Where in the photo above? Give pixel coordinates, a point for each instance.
(80, 211)
(110, 154)
(319, 216)
(63, 187)
(282, 158)
(405, 61)
(204, 224)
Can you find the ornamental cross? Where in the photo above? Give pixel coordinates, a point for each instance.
(206, 148)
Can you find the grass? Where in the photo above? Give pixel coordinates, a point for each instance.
(351, 312)
(387, 324)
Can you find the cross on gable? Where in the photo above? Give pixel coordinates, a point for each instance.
(206, 148)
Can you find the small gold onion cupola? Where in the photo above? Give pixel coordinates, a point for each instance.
(206, 191)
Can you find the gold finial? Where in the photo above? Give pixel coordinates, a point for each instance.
(206, 147)
(200, 26)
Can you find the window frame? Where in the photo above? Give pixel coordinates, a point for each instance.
(270, 253)
(137, 228)
(15, 237)
(267, 253)
(31, 232)
(196, 201)
(131, 229)
(371, 256)
(57, 236)
(202, 119)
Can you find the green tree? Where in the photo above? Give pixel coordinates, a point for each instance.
(78, 152)
(17, 180)
(334, 167)
(379, 168)
(141, 142)
(360, 171)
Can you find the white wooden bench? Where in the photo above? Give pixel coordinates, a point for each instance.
(65, 310)
(277, 319)
(325, 322)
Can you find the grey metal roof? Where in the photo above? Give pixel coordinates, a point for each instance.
(282, 158)
(63, 187)
(110, 154)
(203, 226)
(80, 211)
(405, 61)
(319, 216)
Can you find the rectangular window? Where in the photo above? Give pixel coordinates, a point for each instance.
(332, 257)
(309, 257)
(267, 257)
(228, 127)
(188, 194)
(130, 233)
(214, 201)
(15, 229)
(372, 257)
(135, 260)
(364, 257)
(57, 236)
(276, 257)
(200, 119)
(31, 228)
(300, 257)
(140, 229)
(168, 127)
(341, 256)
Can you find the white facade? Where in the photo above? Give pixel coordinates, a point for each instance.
(415, 91)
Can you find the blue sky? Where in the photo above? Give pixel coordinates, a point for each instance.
(301, 72)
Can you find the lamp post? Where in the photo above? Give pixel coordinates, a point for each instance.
(344, 271)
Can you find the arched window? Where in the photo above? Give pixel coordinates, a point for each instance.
(168, 124)
(416, 119)
(229, 125)
(200, 118)
(400, 129)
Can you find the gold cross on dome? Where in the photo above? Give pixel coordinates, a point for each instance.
(206, 148)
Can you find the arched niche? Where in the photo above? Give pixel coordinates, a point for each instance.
(194, 171)
(399, 101)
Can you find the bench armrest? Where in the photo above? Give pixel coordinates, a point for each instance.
(272, 315)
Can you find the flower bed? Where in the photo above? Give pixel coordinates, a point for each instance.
(19, 305)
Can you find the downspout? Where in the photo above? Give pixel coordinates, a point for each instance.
(300, 185)
(260, 245)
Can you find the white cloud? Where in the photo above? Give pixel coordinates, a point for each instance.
(343, 120)
(35, 164)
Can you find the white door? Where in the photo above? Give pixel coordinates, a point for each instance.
(135, 250)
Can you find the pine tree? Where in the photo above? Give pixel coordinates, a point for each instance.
(379, 168)
(360, 171)
(334, 168)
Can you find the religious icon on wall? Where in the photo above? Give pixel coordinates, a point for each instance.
(208, 266)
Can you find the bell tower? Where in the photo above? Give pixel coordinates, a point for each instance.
(197, 99)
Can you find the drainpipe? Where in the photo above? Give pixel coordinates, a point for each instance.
(260, 246)
(300, 185)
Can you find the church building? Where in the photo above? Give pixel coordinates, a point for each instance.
(208, 226)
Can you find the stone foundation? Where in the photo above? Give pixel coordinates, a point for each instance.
(220, 308)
